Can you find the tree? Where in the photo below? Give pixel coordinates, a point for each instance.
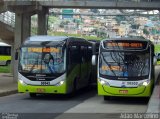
(135, 26)
(145, 31)
(120, 18)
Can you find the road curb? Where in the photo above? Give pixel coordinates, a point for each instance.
(6, 93)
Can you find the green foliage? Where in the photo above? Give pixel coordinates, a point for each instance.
(157, 48)
(63, 23)
(120, 18)
(75, 35)
(5, 69)
(33, 31)
(145, 31)
(52, 19)
(155, 19)
(135, 26)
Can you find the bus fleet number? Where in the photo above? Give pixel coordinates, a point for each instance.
(132, 83)
(44, 83)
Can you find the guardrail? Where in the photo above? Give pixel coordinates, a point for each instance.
(8, 18)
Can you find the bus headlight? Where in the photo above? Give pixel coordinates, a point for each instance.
(145, 83)
(60, 83)
(22, 82)
(102, 82)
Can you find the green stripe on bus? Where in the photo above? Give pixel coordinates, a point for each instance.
(4, 58)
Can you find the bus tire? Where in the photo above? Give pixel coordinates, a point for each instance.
(32, 95)
(90, 79)
(106, 97)
(74, 86)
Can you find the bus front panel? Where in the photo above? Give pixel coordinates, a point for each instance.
(141, 89)
(124, 73)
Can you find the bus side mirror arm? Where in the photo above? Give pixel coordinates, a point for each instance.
(16, 55)
(94, 60)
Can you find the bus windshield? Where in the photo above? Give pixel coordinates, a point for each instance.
(42, 60)
(124, 64)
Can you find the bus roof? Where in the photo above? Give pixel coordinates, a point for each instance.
(46, 38)
(129, 38)
(4, 44)
(42, 40)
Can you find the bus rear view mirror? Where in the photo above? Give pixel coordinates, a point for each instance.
(154, 60)
(158, 56)
(94, 60)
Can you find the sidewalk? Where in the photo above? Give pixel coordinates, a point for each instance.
(7, 86)
(154, 102)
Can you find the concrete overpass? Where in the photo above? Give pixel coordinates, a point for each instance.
(7, 24)
(25, 9)
(101, 4)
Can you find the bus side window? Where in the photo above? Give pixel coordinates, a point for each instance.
(74, 55)
(8, 51)
(0, 51)
(89, 55)
(83, 54)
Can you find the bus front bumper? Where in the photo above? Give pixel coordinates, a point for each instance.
(141, 91)
(60, 89)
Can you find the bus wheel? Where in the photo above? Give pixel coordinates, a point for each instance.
(106, 97)
(74, 87)
(73, 92)
(90, 79)
(32, 95)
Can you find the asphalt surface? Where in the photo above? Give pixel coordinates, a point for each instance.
(86, 104)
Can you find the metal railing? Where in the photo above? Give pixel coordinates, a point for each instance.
(8, 18)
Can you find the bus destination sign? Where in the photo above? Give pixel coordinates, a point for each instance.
(125, 45)
(34, 49)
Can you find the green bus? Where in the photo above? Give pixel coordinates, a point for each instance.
(54, 65)
(5, 54)
(126, 67)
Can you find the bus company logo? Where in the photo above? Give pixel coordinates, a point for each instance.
(40, 75)
(123, 85)
(122, 78)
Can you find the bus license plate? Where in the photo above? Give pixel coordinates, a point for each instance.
(40, 90)
(123, 91)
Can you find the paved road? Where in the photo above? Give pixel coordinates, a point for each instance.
(54, 106)
(86, 104)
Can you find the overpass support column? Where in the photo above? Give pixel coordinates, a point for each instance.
(159, 14)
(42, 21)
(22, 31)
